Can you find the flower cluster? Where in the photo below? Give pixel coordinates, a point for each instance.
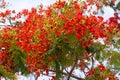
(53, 37)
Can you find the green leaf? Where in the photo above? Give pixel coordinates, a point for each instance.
(118, 6)
(21, 63)
(19, 58)
(6, 74)
(115, 59)
(71, 37)
(52, 50)
(90, 50)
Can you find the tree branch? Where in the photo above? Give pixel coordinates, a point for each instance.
(69, 75)
(36, 78)
(9, 19)
(66, 74)
(92, 62)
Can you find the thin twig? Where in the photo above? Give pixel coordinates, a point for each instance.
(78, 78)
(9, 19)
(36, 78)
(66, 70)
(84, 73)
(92, 62)
(86, 57)
(69, 75)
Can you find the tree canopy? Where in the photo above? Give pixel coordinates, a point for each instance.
(59, 37)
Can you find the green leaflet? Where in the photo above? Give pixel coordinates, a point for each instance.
(6, 74)
(19, 58)
(115, 60)
(52, 50)
(97, 49)
(104, 55)
(118, 6)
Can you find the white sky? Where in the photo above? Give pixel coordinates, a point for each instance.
(18, 5)
(26, 4)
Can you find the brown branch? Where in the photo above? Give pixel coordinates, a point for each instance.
(74, 76)
(86, 57)
(36, 78)
(66, 74)
(69, 74)
(92, 62)
(9, 19)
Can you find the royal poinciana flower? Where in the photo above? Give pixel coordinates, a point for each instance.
(90, 73)
(2, 55)
(54, 38)
(101, 67)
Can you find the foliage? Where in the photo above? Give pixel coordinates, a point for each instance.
(6, 74)
(59, 37)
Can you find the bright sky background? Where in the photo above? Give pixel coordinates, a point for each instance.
(18, 5)
(27, 4)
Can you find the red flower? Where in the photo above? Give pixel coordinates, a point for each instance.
(101, 67)
(90, 72)
(35, 47)
(30, 60)
(46, 41)
(13, 11)
(6, 29)
(28, 48)
(53, 78)
(60, 4)
(2, 54)
(5, 35)
(42, 49)
(48, 12)
(100, 18)
(37, 74)
(25, 11)
(86, 55)
(7, 12)
(57, 33)
(33, 10)
(41, 36)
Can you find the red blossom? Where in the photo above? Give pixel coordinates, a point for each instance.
(41, 36)
(2, 54)
(7, 12)
(41, 30)
(33, 10)
(13, 11)
(25, 12)
(60, 4)
(5, 35)
(37, 74)
(53, 78)
(100, 18)
(28, 48)
(101, 67)
(35, 47)
(90, 72)
(86, 55)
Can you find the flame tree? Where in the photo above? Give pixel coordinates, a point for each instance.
(57, 38)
